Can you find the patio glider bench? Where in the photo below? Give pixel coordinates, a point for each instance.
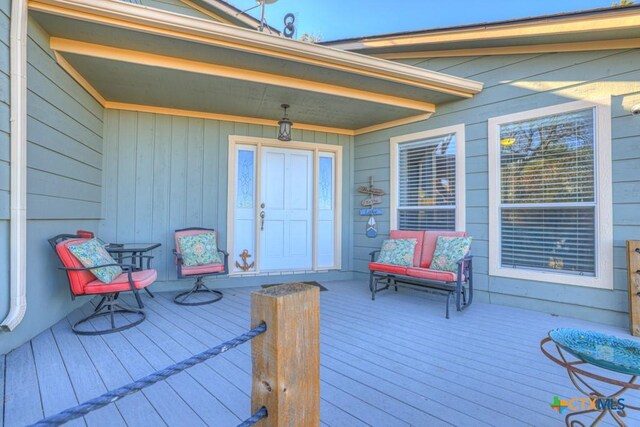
(420, 276)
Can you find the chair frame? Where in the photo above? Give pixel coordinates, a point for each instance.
(464, 296)
(108, 305)
(199, 287)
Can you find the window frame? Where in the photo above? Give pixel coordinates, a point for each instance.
(603, 278)
(395, 142)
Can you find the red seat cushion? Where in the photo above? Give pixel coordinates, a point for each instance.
(141, 279)
(425, 273)
(411, 234)
(77, 279)
(202, 269)
(387, 268)
(429, 245)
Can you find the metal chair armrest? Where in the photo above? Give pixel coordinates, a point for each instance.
(467, 259)
(125, 267)
(373, 255)
(464, 266)
(226, 260)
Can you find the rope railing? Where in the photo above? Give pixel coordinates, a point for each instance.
(117, 394)
(253, 420)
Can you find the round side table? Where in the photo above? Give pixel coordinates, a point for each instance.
(604, 351)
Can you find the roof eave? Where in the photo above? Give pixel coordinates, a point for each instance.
(561, 24)
(177, 25)
(233, 13)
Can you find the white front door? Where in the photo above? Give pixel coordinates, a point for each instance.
(286, 210)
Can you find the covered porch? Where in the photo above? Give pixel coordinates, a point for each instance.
(395, 361)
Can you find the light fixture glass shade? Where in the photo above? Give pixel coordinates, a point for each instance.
(284, 133)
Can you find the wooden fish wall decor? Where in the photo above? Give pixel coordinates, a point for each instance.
(375, 198)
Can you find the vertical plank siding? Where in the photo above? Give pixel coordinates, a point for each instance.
(64, 180)
(516, 83)
(165, 172)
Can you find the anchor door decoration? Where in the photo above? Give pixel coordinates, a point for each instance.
(374, 198)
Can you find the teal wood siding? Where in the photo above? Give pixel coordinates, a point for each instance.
(5, 155)
(166, 172)
(515, 83)
(64, 181)
(175, 6)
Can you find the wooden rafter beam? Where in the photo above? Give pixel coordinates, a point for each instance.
(180, 64)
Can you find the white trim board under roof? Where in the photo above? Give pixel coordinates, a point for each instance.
(596, 29)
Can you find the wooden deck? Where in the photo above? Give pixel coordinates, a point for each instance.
(393, 362)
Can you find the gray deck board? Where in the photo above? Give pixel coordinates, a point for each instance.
(153, 347)
(166, 401)
(135, 409)
(56, 391)
(22, 404)
(391, 362)
(84, 377)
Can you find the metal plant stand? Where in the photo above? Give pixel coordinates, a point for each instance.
(603, 351)
(198, 288)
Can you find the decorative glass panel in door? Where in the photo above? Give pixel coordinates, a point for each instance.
(326, 211)
(245, 208)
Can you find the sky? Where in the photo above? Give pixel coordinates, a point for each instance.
(336, 19)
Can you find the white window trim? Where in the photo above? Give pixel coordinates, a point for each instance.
(604, 215)
(316, 149)
(395, 142)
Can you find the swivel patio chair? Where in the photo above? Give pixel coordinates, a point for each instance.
(83, 282)
(200, 270)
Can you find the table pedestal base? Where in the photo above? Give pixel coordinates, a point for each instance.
(579, 376)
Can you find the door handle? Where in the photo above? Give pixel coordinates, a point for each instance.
(262, 215)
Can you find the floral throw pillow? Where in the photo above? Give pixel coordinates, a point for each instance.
(398, 252)
(449, 250)
(199, 249)
(90, 254)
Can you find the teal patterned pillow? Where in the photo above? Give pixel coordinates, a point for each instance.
(199, 249)
(398, 252)
(449, 250)
(90, 254)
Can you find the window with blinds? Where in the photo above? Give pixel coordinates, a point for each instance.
(548, 203)
(427, 184)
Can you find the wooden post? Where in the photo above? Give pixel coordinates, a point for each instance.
(633, 263)
(286, 358)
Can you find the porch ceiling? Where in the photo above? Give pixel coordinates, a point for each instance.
(124, 62)
(128, 83)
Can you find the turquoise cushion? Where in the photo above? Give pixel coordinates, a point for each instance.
(398, 252)
(90, 254)
(449, 250)
(199, 249)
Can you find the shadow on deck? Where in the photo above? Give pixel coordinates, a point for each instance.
(395, 361)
